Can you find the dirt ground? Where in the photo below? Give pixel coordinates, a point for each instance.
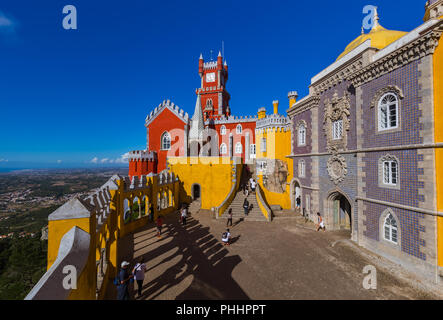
(286, 259)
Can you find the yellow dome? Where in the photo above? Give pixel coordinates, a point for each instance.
(380, 38)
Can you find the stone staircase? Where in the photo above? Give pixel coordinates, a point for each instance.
(255, 213)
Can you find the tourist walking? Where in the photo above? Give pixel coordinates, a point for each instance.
(123, 282)
(229, 217)
(246, 206)
(139, 275)
(321, 224)
(298, 200)
(226, 237)
(184, 214)
(245, 190)
(159, 226)
(253, 185)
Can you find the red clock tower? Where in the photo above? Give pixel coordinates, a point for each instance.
(214, 97)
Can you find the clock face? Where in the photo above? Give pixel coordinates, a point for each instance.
(210, 77)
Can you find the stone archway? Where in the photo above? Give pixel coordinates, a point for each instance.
(296, 191)
(339, 212)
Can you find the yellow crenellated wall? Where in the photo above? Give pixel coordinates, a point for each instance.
(108, 234)
(57, 229)
(278, 146)
(214, 175)
(438, 114)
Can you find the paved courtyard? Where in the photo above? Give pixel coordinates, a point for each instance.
(285, 259)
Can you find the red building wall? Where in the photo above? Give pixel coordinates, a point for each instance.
(166, 121)
(232, 128)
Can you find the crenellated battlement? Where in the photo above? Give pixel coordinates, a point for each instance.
(84, 232)
(273, 121)
(210, 65)
(172, 107)
(142, 155)
(232, 119)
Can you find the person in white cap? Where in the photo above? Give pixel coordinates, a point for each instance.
(123, 277)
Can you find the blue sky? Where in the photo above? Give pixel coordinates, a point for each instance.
(70, 96)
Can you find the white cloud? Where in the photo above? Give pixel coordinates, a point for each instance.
(4, 160)
(7, 24)
(123, 158)
(59, 161)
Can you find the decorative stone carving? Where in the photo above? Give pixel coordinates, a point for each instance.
(337, 109)
(381, 92)
(338, 76)
(276, 175)
(337, 168)
(417, 49)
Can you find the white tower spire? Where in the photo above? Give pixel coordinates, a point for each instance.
(197, 124)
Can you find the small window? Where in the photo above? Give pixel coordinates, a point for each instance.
(263, 145)
(262, 166)
(166, 141)
(390, 172)
(388, 112)
(238, 148)
(223, 149)
(390, 229)
(239, 129)
(301, 168)
(302, 135)
(223, 130)
(337, 130)
(253, 149)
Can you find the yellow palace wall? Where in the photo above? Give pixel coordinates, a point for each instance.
(438, 114)
(214, 175)
(278, 146)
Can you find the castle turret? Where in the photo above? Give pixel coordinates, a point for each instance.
(201, 62)
(275, 105)
(292, 96)
(261, 113)
(219, 62)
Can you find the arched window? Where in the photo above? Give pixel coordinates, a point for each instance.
(238, 148)
(222, 130)
(239, 129)
(301, 168)
(390, 172)
(166, 141)
(223, 149)
(390, 229)
(302, 135)
(388, 112)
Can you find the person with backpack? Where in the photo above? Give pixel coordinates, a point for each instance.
(139, 275)
(226, 237)
(246, 206)
(159, 226)
(184, 214)
(229, 217)
(123, 279)
(321, 224)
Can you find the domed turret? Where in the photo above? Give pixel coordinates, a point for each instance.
(379, 36)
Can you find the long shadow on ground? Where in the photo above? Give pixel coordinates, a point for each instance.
(199, 255)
